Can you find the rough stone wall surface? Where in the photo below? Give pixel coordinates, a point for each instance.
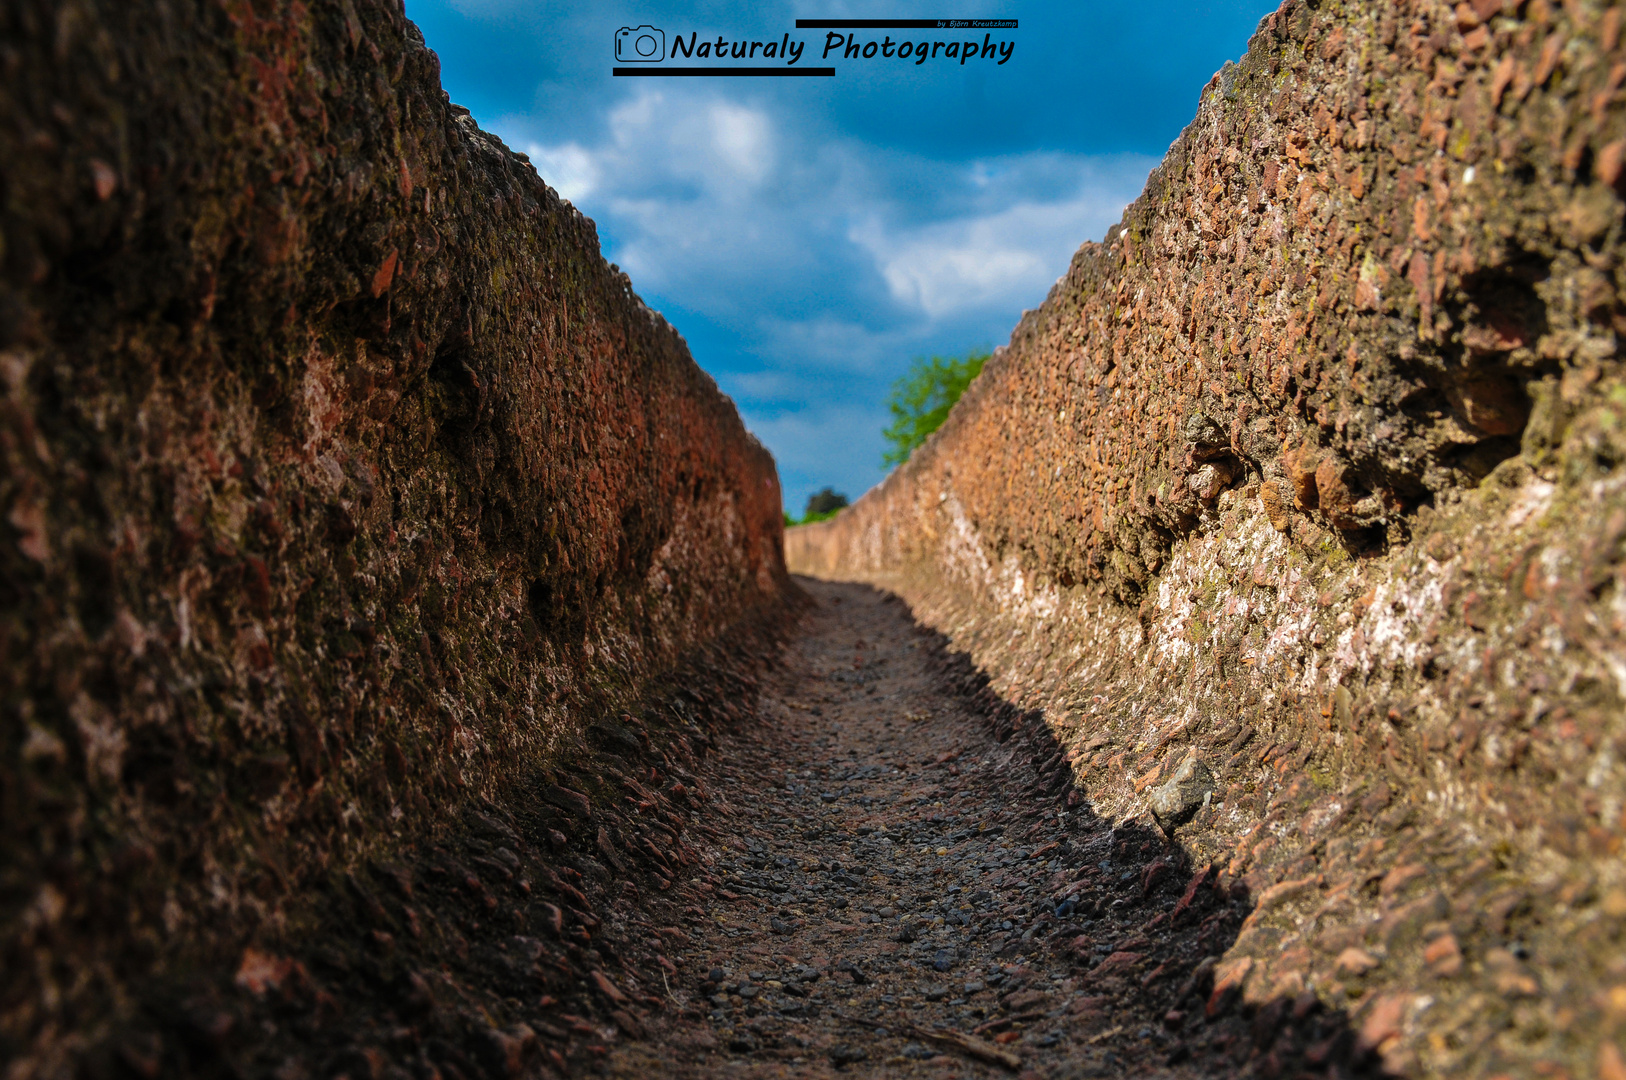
(1313, 468)
(344, 484)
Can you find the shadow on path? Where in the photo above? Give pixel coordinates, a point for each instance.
(909, 883)
(824, 847)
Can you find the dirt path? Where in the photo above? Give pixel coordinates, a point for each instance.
(897, 892)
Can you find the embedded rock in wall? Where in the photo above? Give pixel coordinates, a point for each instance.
(1313, 468)
(346, 487)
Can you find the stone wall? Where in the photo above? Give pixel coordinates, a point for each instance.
(1312, 468)
(345, 485)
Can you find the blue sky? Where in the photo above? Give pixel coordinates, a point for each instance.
(809, 236)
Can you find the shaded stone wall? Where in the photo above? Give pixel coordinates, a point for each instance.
(1312, 468)
(345, 484)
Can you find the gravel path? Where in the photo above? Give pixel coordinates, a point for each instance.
(896, 892)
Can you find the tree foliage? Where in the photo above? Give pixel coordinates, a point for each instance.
(825, 503)
(921, 400)
(821, 505)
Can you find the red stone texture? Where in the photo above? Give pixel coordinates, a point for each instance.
(1313, 467)
(344, 485)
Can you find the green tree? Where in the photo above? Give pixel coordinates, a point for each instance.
(824, 503)
(921, 400)
(821, 506)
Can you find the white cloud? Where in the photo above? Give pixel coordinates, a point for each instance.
(945, 268)
(710, 190)
(570, 169)
(677, 182)
(722, 147)
(742, 139)
(1004, 258)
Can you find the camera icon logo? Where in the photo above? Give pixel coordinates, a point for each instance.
(640, 45)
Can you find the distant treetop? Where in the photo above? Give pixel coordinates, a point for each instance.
(825, 502)
(821, 506)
